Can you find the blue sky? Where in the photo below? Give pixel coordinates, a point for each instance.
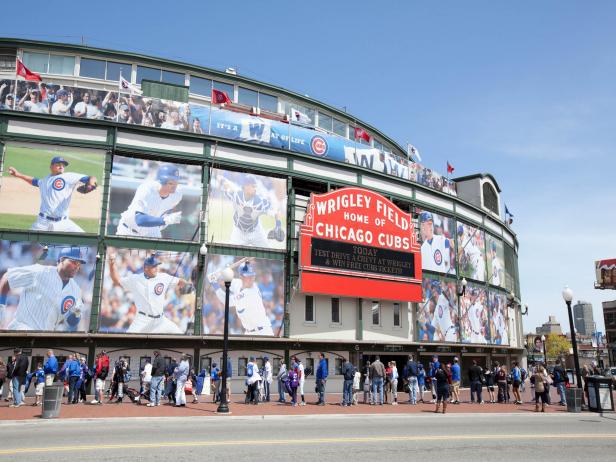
(523, 90)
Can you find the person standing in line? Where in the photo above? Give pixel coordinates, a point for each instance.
(281, 377)
(501, 382)
(489, 379)
(146, 379)
(348, 372)
(301, 377)
(229, 375)
(377, 373)
(356, 386)
(3, 374)
(456, 376)
(252, 381)
(394, 383)
(411, 373)
(442, 388)
(475, 376)
(367, 384)
(434, 366)
(20, 370)
(181, 376)
(121, 377)
(158, 379)
(421, 380)
(541, 378)
(100, 374)
(267, 380)
(321, 377)
(73, 372)
(10, 366)
(39, 376)
(293, 382)
(516, 375)
(215, 377)
(50, 368)
(560, 381)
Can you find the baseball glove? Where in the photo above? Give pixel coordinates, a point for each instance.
(276, 233)
(86, 188)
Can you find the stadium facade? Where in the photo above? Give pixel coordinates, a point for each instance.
(196, 185)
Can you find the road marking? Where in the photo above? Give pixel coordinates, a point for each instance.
(303, 441)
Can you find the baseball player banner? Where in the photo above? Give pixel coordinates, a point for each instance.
(148, 292)
(499, 318)
(437, 315)
(51, 188)
(256, 297)
(474, 315)
(45, 287)
(152, 199)
(496, 261)
(247, 210)
(437, 245)
(471, 252)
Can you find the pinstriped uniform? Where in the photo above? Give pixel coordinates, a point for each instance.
(247, 229)
(249, 307)
(56, 192)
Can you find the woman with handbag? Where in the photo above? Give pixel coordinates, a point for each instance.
(541, 379)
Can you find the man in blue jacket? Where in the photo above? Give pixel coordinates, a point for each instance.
(435, 365)
(50, 368)
(455, 381)
(73, 370)
(321, 379)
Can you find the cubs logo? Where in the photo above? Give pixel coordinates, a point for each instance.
(438, 257)
(67, 303)
(58, 184)
(158, 288)
(318, 144)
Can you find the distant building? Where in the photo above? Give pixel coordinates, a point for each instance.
(583, 318)
(609, 317)
(550, 327)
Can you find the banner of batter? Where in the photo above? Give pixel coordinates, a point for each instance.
(499, 318)
(437, 245)
(496, 261)
(152, 199)
(474, 316)
(51, 188)
(247, 210)
(437, 315)
(148, 292)
(45, 287)
(256, 297)
(471, 252)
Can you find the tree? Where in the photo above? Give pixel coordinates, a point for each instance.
(557, 346)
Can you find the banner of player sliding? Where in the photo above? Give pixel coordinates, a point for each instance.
(356, 243)
(62, 100)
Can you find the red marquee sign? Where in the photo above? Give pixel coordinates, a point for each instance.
(356, 243)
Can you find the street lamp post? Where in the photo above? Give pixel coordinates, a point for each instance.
(223, 407)
(545, 355)
(568, 296)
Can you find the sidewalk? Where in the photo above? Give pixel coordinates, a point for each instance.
(238, 408)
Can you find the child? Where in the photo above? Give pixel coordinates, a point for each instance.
(39, 380)
(356, 387)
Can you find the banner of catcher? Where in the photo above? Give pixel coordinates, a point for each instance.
(474, 317)
(436, 234)
(51, 188)
(45, 287)
(499, 319)
(247, 210)
(152, 199)
(148, 292)
(256, 298)
(471, 252)
(437, 315)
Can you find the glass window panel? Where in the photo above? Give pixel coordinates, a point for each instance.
(63, 65)
(340, 128)
(93, 68)
(248, 97)
(338, 365)
(336, 310)
(242, 364)
(173, 77)
(309, 309)
(200, 86)
(114, 69)
(228, 89)
(325, 121)
(378, 145)
(148, 73)
(397, 315)
(376, 313)
(36, 62)
(268, 102)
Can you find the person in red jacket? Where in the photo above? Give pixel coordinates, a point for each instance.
(102, 369)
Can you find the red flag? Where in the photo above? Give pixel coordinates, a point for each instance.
(27, 73)
(361, 133)
(450, 168)
(220, 97)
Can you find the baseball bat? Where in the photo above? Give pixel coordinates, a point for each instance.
(213, 276)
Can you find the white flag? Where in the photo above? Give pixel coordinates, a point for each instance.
(127, 87)
(299, 117)
(413, 152)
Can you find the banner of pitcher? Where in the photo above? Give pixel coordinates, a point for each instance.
(68, 101)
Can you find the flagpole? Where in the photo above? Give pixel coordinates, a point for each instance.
(209, 123)
(119, 94)
(14, 108)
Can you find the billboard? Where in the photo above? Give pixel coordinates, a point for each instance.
(45, 287)
(499, 318)
(437, 315)
(51, 188)
(256, 297)
(355, 242)
(605, 271)
(471, 252)
(247, 210)
(148, 292)
(153, 199)
(474, 316)
(496, 261)
(436, 234)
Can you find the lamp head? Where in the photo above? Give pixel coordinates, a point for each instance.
(227, 275)
(567, 294)
(203, 249)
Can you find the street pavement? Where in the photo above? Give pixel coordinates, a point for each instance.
(419, 436)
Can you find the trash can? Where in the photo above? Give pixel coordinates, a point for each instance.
(52, 399)
(574, 399)
(600, 397)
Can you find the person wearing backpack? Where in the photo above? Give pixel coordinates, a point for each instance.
(560, 381)
(411, 374)
(348, 372)
(516, 375)
(100, 374)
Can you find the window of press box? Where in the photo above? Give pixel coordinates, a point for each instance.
(325, 121)
(309, 309)
(299, 113)
(148, 73)
(336, 310)
(248, 97)
(175, 78)
(200, 86)
(397, 322)
(378, 145)
(490, 198)
(36, 62)
(268, 102)
(62, 65)
(376, 313)
(7, 60)
(339, 127)
(242, 364)
(227, 88)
